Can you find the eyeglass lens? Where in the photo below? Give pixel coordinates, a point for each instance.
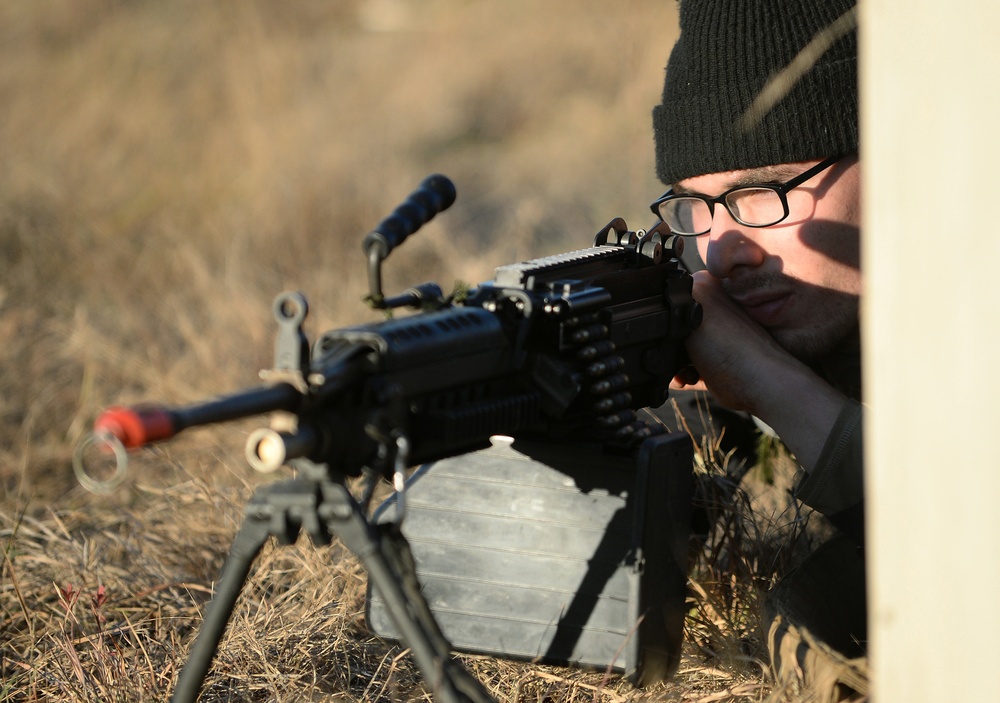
(750, 206)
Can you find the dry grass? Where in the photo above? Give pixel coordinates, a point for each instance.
(101, 602)
(165, 170)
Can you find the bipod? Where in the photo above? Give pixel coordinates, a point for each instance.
(324, 507)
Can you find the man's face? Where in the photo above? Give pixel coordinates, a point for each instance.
(800, 279)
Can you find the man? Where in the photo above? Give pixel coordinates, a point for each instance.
(769, 188)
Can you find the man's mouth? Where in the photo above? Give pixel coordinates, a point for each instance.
(766, 308)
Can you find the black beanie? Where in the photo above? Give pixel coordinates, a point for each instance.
(726, 53)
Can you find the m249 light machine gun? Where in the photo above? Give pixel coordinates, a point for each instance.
(583, 505)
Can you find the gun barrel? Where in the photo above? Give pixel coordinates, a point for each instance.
(140, 425)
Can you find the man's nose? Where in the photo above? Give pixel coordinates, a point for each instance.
(730, 245)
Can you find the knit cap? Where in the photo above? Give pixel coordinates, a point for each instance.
(727, 52)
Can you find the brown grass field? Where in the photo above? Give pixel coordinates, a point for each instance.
(165, 170)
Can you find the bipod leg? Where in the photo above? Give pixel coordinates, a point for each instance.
(278, 509)
(386, 557)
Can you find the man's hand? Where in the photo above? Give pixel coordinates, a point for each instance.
(732, 356)
(742, 365)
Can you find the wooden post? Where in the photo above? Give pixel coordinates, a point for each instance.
(930, 81)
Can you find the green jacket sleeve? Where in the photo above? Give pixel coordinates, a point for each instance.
(837, 481)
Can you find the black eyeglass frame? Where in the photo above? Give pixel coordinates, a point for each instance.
(781, 189)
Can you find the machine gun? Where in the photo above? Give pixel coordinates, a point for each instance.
(558, 352)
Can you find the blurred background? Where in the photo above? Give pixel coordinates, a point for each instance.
(166, 168)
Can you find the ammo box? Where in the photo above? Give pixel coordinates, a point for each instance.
(554, 553)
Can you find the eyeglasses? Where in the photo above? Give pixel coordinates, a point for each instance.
(760, 205)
